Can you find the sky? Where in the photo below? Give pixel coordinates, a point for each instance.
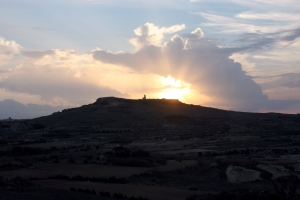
(241, 55)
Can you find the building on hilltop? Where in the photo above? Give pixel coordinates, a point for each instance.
(144, 97)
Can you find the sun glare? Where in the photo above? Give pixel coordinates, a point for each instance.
(169, 81)
(174, 89)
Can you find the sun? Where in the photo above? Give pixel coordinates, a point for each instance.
(174, 89)
(172, 93)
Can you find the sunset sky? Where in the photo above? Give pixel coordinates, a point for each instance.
(232, 54)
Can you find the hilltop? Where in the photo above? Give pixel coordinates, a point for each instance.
(119, 111)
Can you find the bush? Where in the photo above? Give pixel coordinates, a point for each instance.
(119, 196)
(2, 183)
(131, 162)
(105, 194)
(38, 126)
(141, 153)
(193, 189)
(286, 186)
(27, 151)
(121, 151)
(5, 126)
(60, 177)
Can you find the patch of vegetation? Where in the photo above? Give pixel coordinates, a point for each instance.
(123, 196)
(105, 194)
(286, 187)
(140, 153)
(236, 194)
(91, 179)
(5, 126)
(193, 188)
(17, 182)
(3, 141)
(121, 151)
(38, 126)
(123, 156)
(24, 151)
(131, 162)
(85, 191)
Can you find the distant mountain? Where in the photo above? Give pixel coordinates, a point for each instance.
(16, 110)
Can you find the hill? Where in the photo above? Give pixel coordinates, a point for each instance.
(119, 112)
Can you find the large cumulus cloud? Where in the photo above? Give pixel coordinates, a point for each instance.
(53, 75)
(150, 34)
(8, 49)
(200, 62)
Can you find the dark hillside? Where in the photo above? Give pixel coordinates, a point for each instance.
(118, 111)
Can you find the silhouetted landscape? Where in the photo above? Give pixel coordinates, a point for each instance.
(150, 149)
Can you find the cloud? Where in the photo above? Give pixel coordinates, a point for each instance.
(128, 3)
(38, 54)
(292, 35)
(215, 72)
(150, 34)
(248, 22)
(53, 75)
(274, 16)
(198, 32)
(269, 53)
(289, 4)
(197, 61)
(8, 49)
(289, 80)
(283, 91)
(51, 83)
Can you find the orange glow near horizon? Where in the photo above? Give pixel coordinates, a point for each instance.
(174, 89)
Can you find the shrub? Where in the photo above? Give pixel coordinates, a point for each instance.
(286, 186)
(121, 151)
(38, 126)
(193, 189)
(119, 196)
(27, 151)
(105, 194)
(141, 153)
